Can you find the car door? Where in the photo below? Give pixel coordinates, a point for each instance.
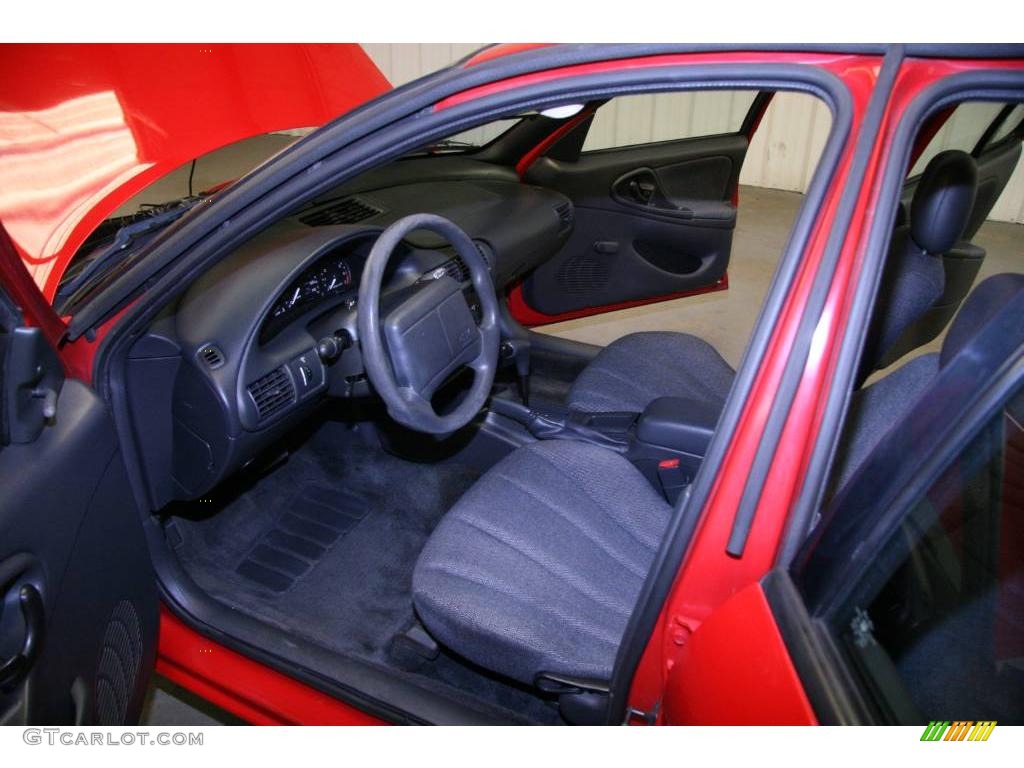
(653, 211)
(78, 596)
(904, 605)
(923, 623)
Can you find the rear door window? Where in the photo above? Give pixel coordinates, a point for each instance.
(935, 629)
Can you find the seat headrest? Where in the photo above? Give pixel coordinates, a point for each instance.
(985, 302)
(943, 201)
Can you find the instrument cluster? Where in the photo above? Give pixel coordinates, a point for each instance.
(334, 274)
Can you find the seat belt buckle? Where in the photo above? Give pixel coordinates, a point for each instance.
(673, 477)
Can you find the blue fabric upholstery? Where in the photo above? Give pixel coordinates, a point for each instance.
(876, 408)
(912, 282)
(634, 370)
(984, 303)
(881, 405)
(539, 565)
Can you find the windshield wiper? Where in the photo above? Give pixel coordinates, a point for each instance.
(120, 246)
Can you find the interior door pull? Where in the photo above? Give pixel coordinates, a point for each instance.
(642, 191)
(16, 669)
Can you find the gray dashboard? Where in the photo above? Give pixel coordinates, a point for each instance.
(233, 365)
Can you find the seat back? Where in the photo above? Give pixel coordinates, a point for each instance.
(914, 277)
(875, 409)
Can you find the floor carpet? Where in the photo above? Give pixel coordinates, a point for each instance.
(324, 545)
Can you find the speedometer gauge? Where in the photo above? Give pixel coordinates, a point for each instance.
(335, 277)
(330, 276)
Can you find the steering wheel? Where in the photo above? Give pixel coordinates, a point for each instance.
(429, 332)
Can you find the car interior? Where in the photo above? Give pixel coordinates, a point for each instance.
(350, 436)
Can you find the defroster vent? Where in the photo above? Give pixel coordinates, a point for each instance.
(272, 393)
(345, 210)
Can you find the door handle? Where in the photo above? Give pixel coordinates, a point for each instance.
(16, 669)
(640, 187)
(642, 191)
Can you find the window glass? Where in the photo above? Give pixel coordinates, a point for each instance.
(648, 118)
(479, 136)
(1012, 121)
(962, 130)
(937, 626)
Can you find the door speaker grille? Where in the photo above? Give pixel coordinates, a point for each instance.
(583, 274)
(120, 661)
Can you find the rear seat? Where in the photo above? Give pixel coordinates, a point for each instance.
(877, 408)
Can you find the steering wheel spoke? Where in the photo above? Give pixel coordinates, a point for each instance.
(431, 333)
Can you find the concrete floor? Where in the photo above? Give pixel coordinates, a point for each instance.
(168, 704)
(725, 318)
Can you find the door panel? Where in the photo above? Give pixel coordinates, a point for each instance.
(651, 221)
(78, 598)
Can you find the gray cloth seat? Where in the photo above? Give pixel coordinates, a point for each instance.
(879, 407)
(634, 370)
(537, 567)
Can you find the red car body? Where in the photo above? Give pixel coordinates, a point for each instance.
(716, 636)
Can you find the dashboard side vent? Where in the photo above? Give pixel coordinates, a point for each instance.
(346, 210)
(457, 269)
(272, 393)
(212, 356)
(566, 215)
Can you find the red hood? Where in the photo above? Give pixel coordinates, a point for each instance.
(85, 127)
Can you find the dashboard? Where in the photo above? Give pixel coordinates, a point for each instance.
(239, 360)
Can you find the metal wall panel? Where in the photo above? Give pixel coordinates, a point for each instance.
(782, 155)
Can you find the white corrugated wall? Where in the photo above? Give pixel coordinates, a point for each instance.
(783, 152)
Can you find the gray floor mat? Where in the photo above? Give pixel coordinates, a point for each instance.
(325, 544)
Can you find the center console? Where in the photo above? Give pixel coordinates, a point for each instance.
(667, 442)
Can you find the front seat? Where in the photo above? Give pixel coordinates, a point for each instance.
(636, 369)
(534, 572)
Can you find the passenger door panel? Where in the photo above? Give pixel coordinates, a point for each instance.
(651, 221)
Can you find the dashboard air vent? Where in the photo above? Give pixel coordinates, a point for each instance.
(346, 210)
(272, 393)
(456, 268)
(212, 356)
(565, 213)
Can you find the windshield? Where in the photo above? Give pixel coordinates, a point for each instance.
(471, 140)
